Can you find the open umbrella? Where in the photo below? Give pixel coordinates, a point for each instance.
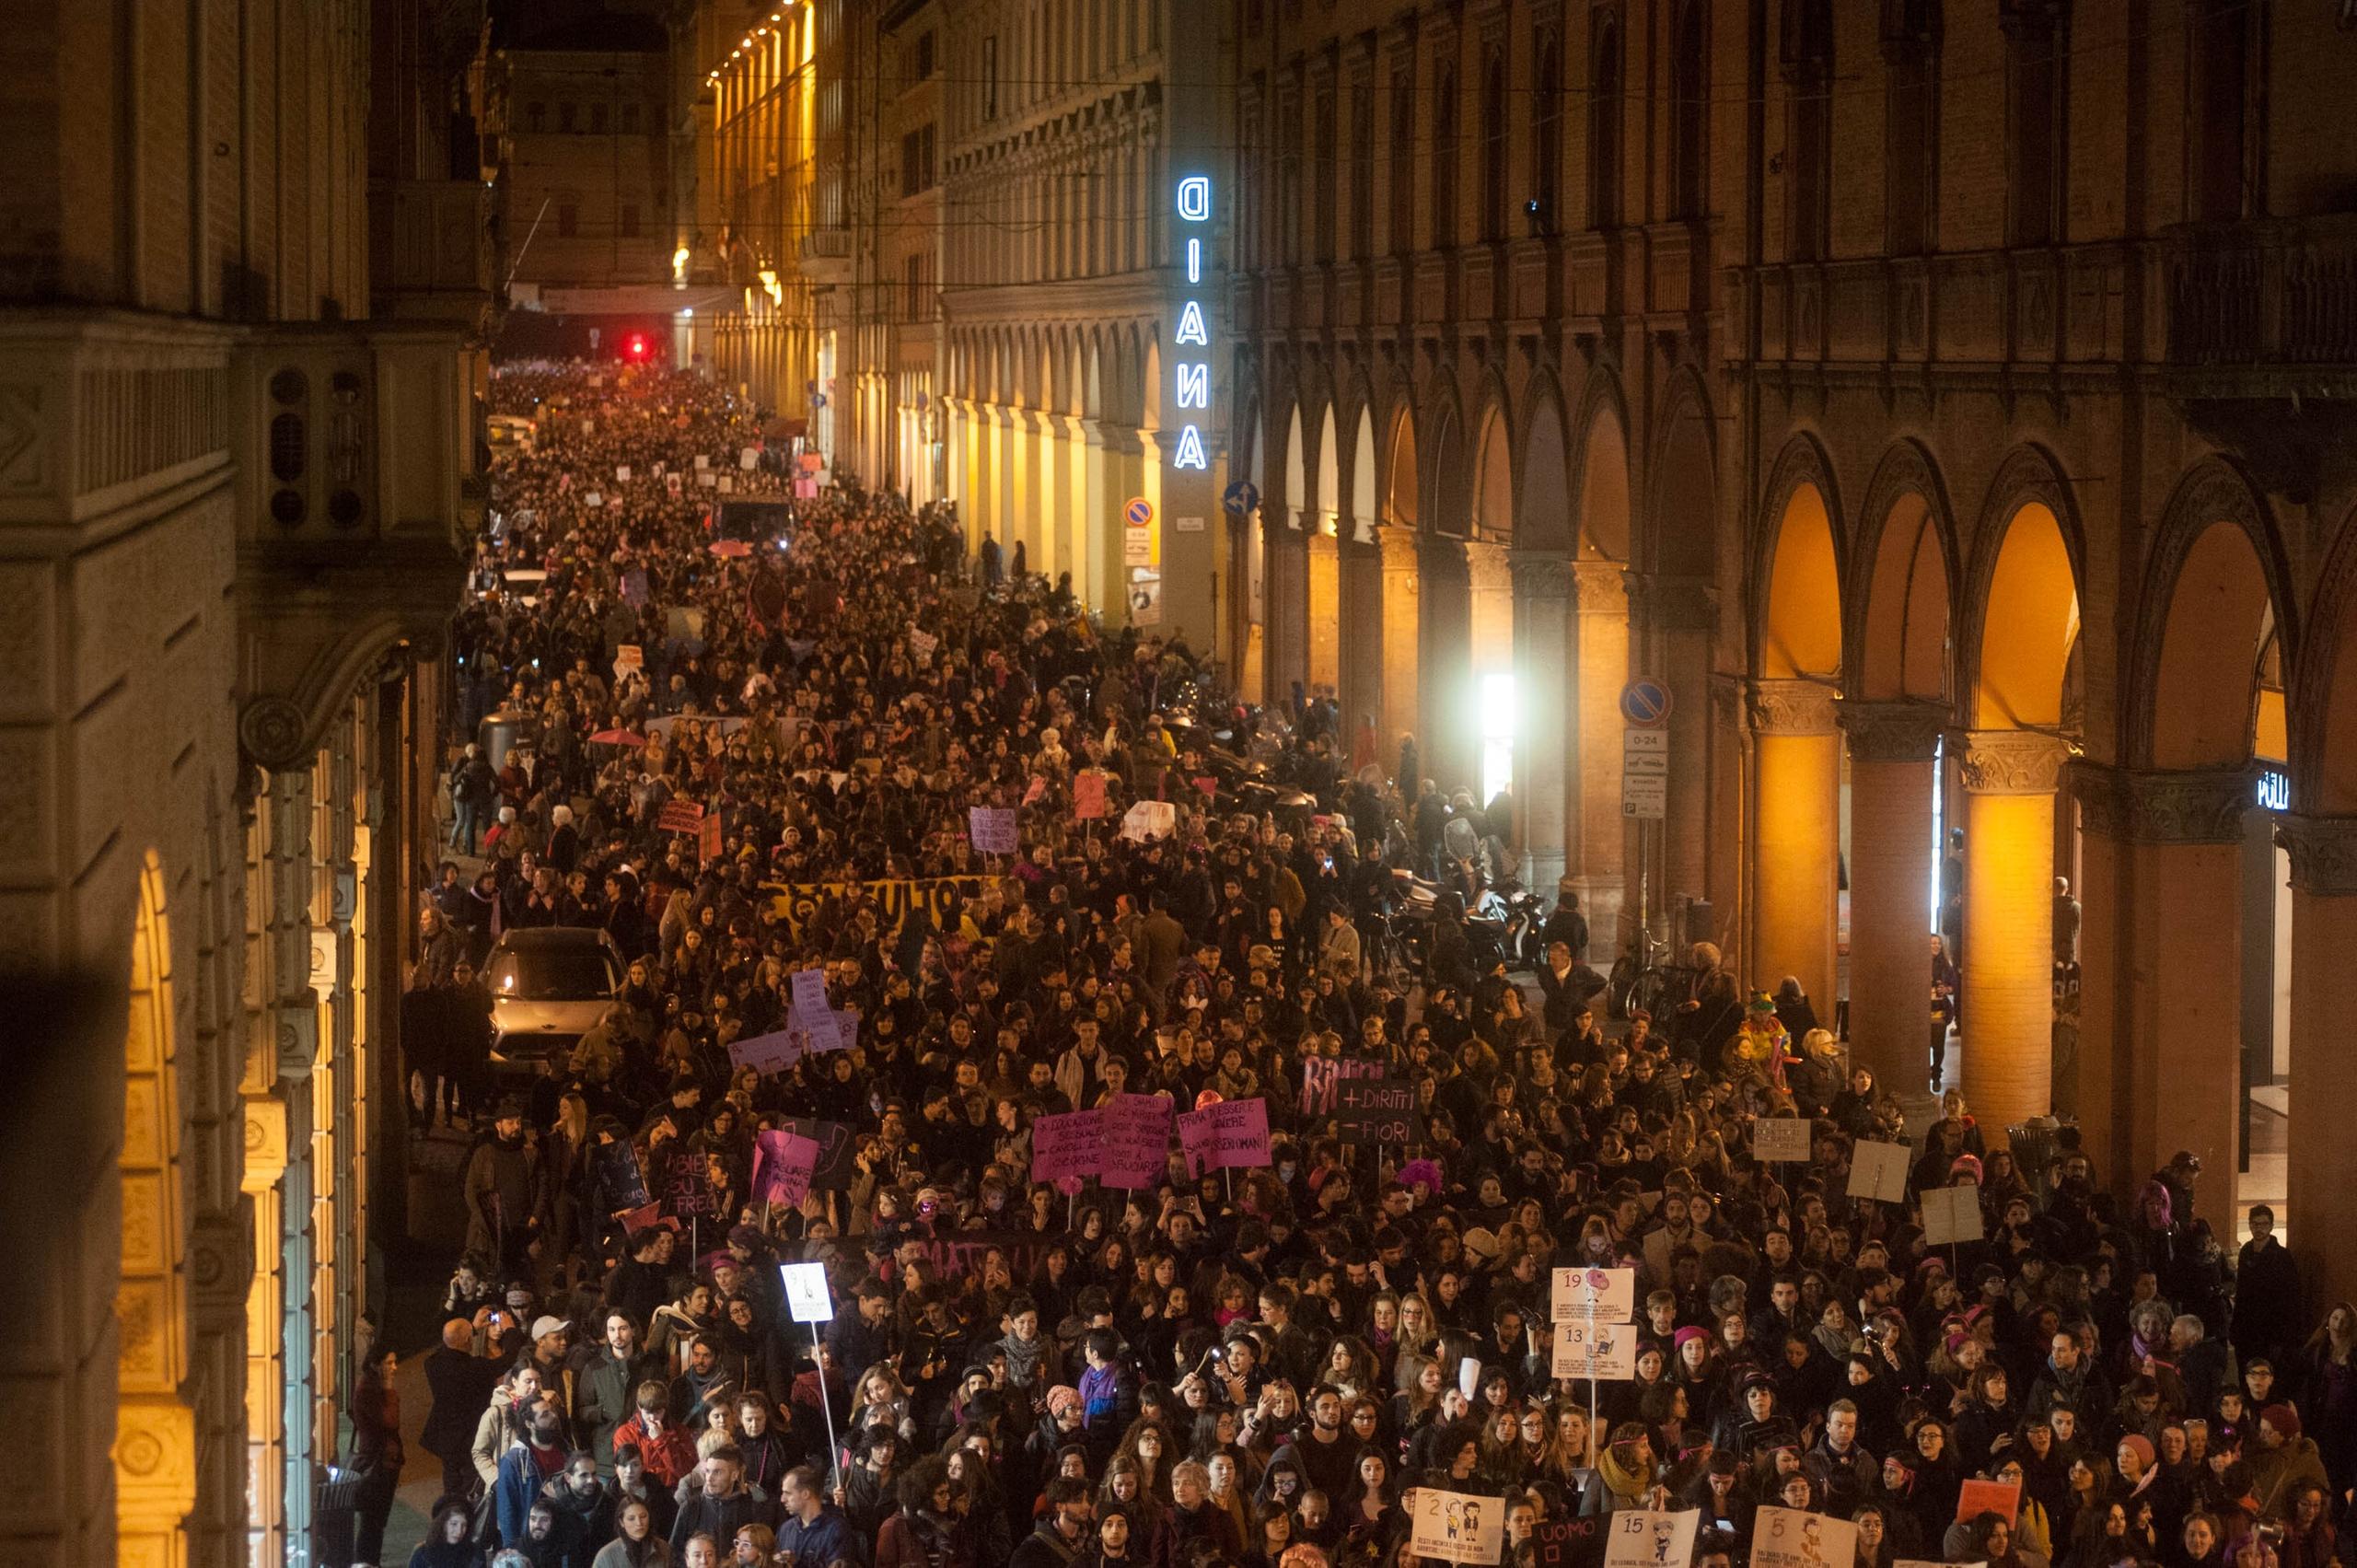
(731, 549)
(617, 738)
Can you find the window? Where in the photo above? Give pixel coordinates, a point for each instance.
(1444, 183)
(1289, 177)
(1493, 147)
(921, 57)
(630, 119)
(568, 117)
(1403, 157)
(1808, 157)
(1547, 134)
(916, 286)
(917, 161)
(1910, 127)
(536, 116)
(1690, 114)
(1362, 169)
(1604, 121)
(2219, 57)
(990, 79)
(2035, 40)
(568, 220)
(1322, 173)
(630, 220)
(598, 120)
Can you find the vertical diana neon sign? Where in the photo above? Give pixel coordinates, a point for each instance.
(1193, 397)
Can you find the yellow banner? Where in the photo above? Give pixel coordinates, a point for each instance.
(796, 903)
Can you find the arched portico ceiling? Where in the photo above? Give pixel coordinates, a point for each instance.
(1403, 491)
(1681, 487)
(1493, 478)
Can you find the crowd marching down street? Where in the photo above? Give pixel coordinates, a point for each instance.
(1195, 1176)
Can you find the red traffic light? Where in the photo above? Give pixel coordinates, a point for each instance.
(637, 346)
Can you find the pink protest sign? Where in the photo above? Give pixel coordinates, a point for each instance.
(767, 1053)
(1072, 1145)
(783, 1165)
(1088, 796)
(993, 829)
(1137, 1140)
(1232, 1132)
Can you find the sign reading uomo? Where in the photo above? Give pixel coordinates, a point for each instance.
(1190, 344)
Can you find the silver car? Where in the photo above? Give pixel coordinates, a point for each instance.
(549, 986)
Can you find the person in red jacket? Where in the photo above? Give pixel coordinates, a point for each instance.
(662, 1443)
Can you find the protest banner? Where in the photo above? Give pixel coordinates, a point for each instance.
(895, 899)
(1644, 1538)
(808, 1299)
(991, 829)
(748, 457)
(1589, 1348)
(1783, 1138)
(623, 1185)
(1788, 1538)
(1570, 1543)
(628, 657)
(708, 845)
(1088, 796)
(703, 459)
(923, 643)
(783, 1165)
(2003, 1498)
(836, 1148)
(621, 473)
(1457, 1526)
(1068, 1148)
(1952, 1214)
(1879, 1171)
(680, 816)
(685, 1194)
(1322, 1075)
(1379, 1111)
(1149, 820)
(1137, 1141)
(772, 1052)
(810, 992)
(1038, 788)
(1232, 1134)
(1608, 1296)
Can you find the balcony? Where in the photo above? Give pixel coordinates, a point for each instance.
(826, 257)
(2248, 302)
(431, 254)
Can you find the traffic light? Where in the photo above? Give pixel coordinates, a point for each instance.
(636, 346)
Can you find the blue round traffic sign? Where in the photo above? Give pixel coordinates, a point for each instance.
(1240, 497)
(1138, 513)
(1644, 702)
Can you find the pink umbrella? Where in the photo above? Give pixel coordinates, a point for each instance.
(731, 549)
(617, 738)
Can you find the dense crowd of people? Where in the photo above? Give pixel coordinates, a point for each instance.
(1264, 1368)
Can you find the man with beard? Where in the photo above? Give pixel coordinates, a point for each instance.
(501, 1222)
(528, 1467)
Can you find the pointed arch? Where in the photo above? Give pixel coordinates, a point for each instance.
(1363, 490)
(1796, 613)
(1679, 536)
(1543, 515)
(1492, 516)
(1402, 492)
(1903, 596)
(1445, 493)
(2026, 580)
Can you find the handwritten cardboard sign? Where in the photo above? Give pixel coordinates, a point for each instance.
(680, 816)
(1641, 1538)
(1137, 1140)
(1228, 1135)
(767, 1053)
(1457, 1527)
(685, 1193)
(1787, 1538)
(2003, 1498)
(1379, 1110)
(619, 1180)
(1322, 1077)
(1088, 796)
(1570, 1543)
(1071, 1147)
(783, 1165)
(1608, 1296)
(836, 1148)
(1952, 1214)
(1149, 820)
(1879, 1171)
(993, 829)
(1589, 1348)
(1781, 1138)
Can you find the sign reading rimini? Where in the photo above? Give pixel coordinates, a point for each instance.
(1194, 389)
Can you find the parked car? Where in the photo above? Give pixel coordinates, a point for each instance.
(548, 985)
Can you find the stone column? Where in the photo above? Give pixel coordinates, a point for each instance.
(2171, 1076)
(2008, 1024)
(1892, 783)
(1670, 622)
(1402, 585)
(1445, 662)
(1599, 843)
(1542, 603)
(2321, 1210)
(1796, 847)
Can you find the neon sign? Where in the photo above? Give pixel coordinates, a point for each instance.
(2274, 790)
(1195, 386)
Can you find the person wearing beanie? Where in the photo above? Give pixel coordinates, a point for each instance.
(2281, 1460)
